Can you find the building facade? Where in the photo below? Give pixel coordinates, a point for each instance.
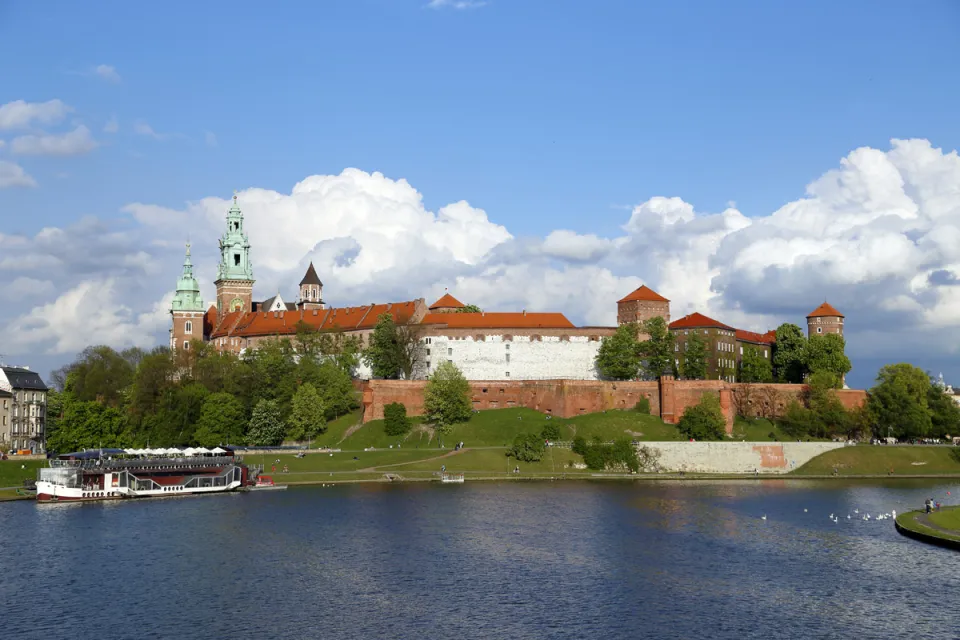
(485, 346)
(28, 408)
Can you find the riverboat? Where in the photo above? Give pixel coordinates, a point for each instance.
(451, 478)
(116, 474)
(266, 483)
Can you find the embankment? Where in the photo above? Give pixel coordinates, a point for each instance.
(737, 457)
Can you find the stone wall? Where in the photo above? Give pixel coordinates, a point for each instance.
(737, 457)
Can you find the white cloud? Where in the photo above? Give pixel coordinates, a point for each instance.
(20, 114)
(13, 175)
(569, 245)
(142, 128)
(112, 125)
(107, 72)
(72, 143)
(24, 288)
(455, 4)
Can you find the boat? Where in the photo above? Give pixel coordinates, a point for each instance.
(117, 474)
(451, 478)
(266, 483)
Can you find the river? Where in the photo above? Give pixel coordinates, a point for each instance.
(483, 560)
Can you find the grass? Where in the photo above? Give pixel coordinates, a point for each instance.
(881, 460)
(758, 430)
(948, 518)
(11, 475)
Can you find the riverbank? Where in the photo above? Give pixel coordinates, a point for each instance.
(941, 527)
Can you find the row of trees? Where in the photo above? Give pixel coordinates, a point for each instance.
(623, 356)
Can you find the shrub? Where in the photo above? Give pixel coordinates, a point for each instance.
(621, 454)
(643, 406)
(527, 447)
(395, 421)
(579, 445)
(550, 431)
(704, 421)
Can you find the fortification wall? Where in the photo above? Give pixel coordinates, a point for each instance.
(737, 457)
(517, 357)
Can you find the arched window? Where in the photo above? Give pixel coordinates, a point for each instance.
(188, 327)
(186, 345)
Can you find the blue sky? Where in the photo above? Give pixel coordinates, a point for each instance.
(547, 115)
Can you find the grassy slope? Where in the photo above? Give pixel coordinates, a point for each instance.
(11, 475)
(948, 518)
(879, 460)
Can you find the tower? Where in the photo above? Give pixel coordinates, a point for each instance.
(643, 304)
(186, 309)
(311, 290)
(823, 320)
(235, 271)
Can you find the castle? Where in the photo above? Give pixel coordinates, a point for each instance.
(485, 346)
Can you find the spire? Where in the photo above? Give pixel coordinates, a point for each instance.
(311, 277)
(187, 297)
(235, 263)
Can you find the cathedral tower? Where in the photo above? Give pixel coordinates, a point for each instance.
(235, 271)
(311, 290)
(187, 309)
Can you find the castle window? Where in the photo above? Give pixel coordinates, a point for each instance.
(764, 353)
(508, 358)
(428, 364)
(676, 346)
(188, 327)
(819, 329)
(236, 259)
(428, 351)
(508, 374)
(186, 345)
(507, 347)
(450, 352)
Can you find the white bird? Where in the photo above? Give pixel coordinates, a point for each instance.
(848, 516)
(856, 510)
(804, 510)
(893, 513)
(831, 516)
(763, 517)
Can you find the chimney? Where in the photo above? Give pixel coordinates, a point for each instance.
(524, 313)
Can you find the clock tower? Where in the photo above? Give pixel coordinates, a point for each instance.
(235, 272)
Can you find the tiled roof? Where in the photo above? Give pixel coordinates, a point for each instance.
(24, 378)
(757, 338)
(311, 277)
(5, 394)
(447, 302)
(210, 320)
(495, 320)
(226, 323)
(698, 321)
(825, 310)
(269, 323)
(644, 293)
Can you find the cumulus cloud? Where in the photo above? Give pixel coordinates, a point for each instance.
(112, 125)
(72, 143)
(20, 114)
(143, 129)
(107, 72)
(878, 236)
(455, 4)
(13, 175)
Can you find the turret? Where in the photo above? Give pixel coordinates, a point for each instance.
(311, 290)
(235, 271)
(186, 308)
(823, 320)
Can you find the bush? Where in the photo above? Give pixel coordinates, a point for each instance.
(643, 406)
(704, 421)
(395, 421)
(579, 445)
(550, 432)
(527, 447)
(621, 454)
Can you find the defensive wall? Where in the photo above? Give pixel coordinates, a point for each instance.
(737, 457)
(668, 398)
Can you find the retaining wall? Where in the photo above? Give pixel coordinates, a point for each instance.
(737, 457)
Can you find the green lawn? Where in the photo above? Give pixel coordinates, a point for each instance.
(758, 430)
(881, 459)
(948, 518)
(11, 475)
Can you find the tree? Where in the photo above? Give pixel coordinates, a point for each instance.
(266, 425)
(828, 413)
(825, 353)
(944, 413)
(704, 421)
(395, 351)
(395, 422)
(527, 447)
(221, 421)
(446, 398)
(550, 431)
(307, 414)
(694, 364)
(790, 354)
(796, 421)
(754, 367)
(619, 355)
(101, 374)
(657, 349)
(86, 424)
(469, 308)
(898, 403)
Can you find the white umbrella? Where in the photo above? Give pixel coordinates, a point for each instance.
(172, 452)
(189, 451)
(218, 451)
(203, 451)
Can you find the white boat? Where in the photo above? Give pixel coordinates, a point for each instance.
(451, 478)
(266, 483)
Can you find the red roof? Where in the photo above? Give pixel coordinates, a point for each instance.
(447, 302)
(758, 338)
(644, 293)
(494, 320)
(268, 323)
(825, 311)
(210, 320)
(698, 321)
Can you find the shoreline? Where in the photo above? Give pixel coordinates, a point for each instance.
(917, 526)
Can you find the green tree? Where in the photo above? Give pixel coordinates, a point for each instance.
(550, 431)
(86, 425)
(619, 355)
(395, 422)
(469, 308)
(101, 374)
(898, 403)
(704, 421)
(266, 425)
(944, 413)
(395, 351)
(796, 421)
(828, 413)
(790, 354)
(153, 377)
(825, 353)
(446, 398)
(307, 414)
(527, 447)
(754, 367)
(657, 349)
(694, 363)
(221, 421)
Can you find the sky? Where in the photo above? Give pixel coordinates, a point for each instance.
(747, 160)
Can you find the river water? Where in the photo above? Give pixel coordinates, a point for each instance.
(483, 560)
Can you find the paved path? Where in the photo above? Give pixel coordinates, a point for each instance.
(402, 464)
(924, 519)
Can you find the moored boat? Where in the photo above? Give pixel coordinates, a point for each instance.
(113, 474)
(266, 483)
(451, 478)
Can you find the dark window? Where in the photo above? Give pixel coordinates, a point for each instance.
(236, 259)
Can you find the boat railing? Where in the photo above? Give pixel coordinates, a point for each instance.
(145, 463)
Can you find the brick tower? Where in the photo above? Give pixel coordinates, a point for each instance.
(823, 320)
(642, 304)
(311, 290)
(235, 272)
(187, 309)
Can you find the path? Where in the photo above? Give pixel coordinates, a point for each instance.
(402, 464)
(924, 519)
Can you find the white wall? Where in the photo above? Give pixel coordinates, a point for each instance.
(737, 457)
(548, 358)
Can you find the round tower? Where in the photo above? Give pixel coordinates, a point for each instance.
(823, 320)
